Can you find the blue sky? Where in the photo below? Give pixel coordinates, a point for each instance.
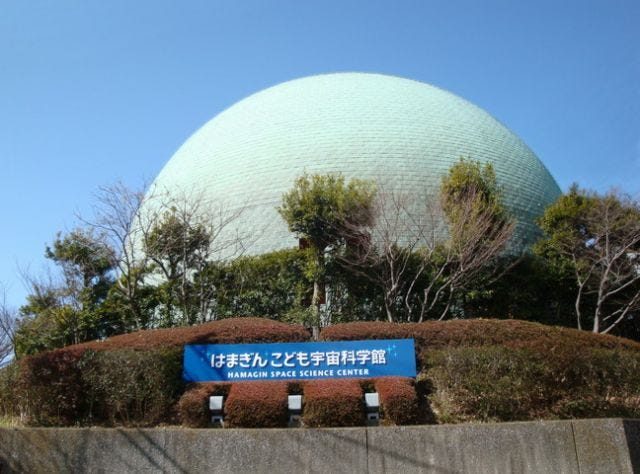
(95, 91)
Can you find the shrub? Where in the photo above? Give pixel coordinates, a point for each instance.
(9, 401)
(398, 400)
(132, 388)
(337, 402)
(496, 383)
(604, 383)
(72, 386)
(193, 406)
(257, 405)
(50, 388)
(486, 384)
(132, 379)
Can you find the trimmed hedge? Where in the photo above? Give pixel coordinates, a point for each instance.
(257, 405)
(398, 400)
(363, 330)
(131, 380)
(495, 383)
(337, 402)
(224, 331)
(68, 387)
(476, 332)
(506, 370)
(471, 370)
(9, 395)
(134, 388)
(264, 404)
(512, 333)
(51, 388)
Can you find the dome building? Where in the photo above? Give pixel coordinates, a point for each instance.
(399, 132)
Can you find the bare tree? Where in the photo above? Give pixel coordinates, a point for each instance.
(387, 256)
(8, 326)
(476, 238)
(600, 237)
(423, 254)
(418, 261)
(609, 266)
(117, 216)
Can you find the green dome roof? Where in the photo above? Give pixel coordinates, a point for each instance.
(403, 133)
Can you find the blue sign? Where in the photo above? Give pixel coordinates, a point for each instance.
(299, 360)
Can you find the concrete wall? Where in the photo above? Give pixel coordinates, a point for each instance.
(582, 447)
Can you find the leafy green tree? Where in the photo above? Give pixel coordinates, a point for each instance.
(596, 239)
(325, 212)
(469, 193)
(86, 263)
(69, 312)
(178, 248)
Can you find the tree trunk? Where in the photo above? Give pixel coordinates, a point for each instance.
(319, 283)
(387, 307)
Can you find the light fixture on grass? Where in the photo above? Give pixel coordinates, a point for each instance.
(216, 404)
(295, 409)
(372, 405)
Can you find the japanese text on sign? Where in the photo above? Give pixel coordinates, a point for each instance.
(218, 362)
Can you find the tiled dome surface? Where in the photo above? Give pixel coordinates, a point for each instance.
(403, 133)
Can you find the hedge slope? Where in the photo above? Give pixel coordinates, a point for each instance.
(132, 379)
(224, 331)
(469, 370)
(508, 370)
(476, 332)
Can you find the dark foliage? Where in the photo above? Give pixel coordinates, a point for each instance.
(270, 285)
(532, 290)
